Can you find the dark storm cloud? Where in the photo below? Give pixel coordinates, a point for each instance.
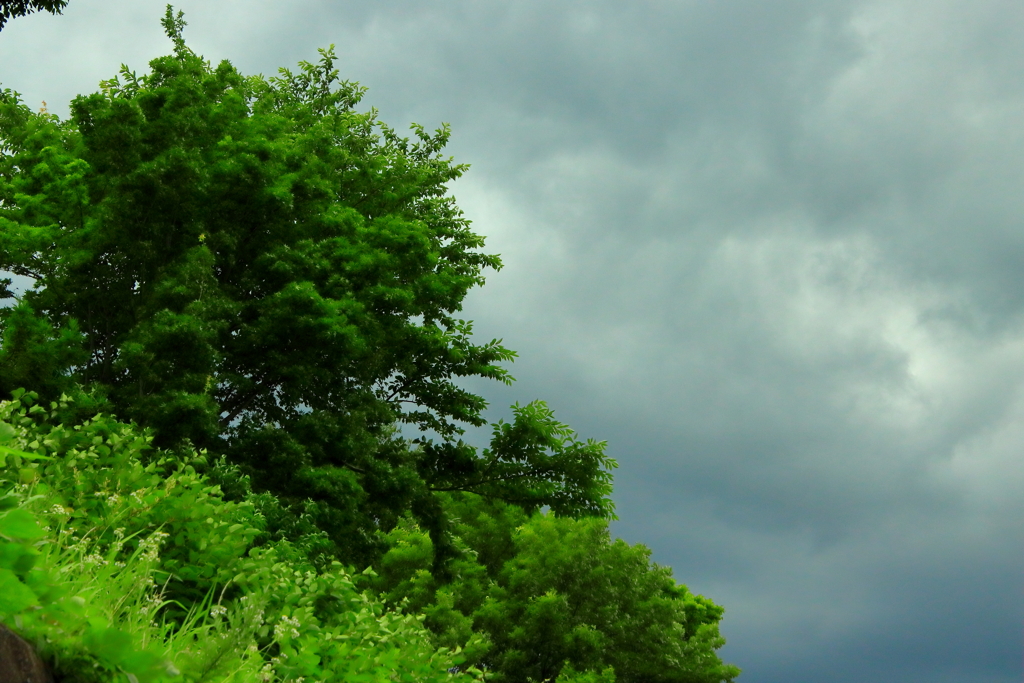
(771, 252)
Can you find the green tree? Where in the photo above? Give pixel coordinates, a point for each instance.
(19, 8)
(537, 597)
(253, 266)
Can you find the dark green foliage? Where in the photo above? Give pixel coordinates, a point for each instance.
(534, 594)
(253, 266)
(19, 8)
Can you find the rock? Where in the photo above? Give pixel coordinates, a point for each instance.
(19, 662)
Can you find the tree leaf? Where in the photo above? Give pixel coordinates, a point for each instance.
(5, 451)
(14, 595)
(20, 524)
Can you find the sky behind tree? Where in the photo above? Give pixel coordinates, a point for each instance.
(772, 252)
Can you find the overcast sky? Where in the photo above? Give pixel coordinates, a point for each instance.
(771, 251)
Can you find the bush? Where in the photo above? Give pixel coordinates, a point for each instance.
(123, 562)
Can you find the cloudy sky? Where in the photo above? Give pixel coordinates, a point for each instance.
(771, 251)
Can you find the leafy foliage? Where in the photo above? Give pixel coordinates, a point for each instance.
(252, 266)
(19, 8)
(266, 282)
(536, 596)
(96, 546)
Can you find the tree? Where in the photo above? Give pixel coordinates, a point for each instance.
(253, 266)
(19, 8)
(571, 595)
(537, 597)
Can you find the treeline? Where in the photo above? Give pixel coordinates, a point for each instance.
(265, 283)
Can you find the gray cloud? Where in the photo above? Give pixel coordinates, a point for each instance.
(770, 251)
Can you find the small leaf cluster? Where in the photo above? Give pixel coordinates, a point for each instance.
(19, 8)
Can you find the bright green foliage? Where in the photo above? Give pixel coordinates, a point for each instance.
(19, 8)
(93, 548)
(45, 594)
(533, 595)
(254, 266)
(105, 470)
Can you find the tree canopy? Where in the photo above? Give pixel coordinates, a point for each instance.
(253, 266)
(538, 596)
(19, 8)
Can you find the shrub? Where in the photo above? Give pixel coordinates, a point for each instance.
(123, 562)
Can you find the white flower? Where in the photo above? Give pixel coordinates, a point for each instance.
(150, 546)
(288, 626)
(94, 560)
